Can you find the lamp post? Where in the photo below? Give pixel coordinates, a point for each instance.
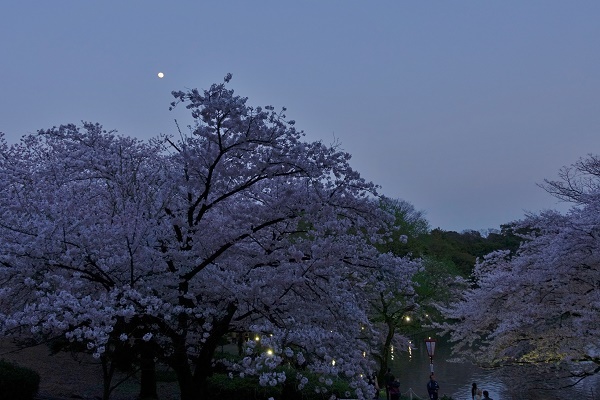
(430, 344)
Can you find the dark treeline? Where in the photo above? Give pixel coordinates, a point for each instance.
(457, 250)
(461, 250)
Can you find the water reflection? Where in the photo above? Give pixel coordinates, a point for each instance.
(455, 379)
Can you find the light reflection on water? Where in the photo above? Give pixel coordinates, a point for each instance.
(455, 379)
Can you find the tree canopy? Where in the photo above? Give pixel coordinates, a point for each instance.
(540, 306)
(167, 245)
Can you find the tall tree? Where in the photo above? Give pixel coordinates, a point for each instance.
(80, 217)
(392, 296)
(540, 306)
(168, 245)
(392, 299)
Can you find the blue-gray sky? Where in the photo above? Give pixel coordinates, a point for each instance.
(459, 107)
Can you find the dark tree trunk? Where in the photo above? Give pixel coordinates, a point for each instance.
(385, 351)
(148, 372)
(108, 369)
(240, 343)
(184, 377)
(194, 387)
(203, 368)
(201, 382)
(179, 362)
(289, 391)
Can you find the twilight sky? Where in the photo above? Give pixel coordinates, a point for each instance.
(459, 107)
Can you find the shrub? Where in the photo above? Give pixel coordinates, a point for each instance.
(18, 383)
(223, 387)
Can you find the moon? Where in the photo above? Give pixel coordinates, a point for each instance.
(161, 75)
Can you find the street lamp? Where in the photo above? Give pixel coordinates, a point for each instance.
(430, 344)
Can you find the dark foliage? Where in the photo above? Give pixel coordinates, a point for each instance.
(18, 383)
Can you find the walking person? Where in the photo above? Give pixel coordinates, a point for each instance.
(432, 387)
(473, 391)
(395, 390)
(389, 379)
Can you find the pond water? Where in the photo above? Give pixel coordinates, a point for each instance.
(455, 379)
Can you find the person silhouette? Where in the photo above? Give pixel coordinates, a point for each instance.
(432, 387)
(389, 379)
(395, 390)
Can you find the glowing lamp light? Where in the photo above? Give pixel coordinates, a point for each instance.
(270, 352)
(257, 338)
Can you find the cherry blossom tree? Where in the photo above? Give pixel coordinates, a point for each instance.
(540, 306)
(392, 296)
(164, 247)
(80, 219)
(391, 299)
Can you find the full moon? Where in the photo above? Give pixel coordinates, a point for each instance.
(161, 75)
